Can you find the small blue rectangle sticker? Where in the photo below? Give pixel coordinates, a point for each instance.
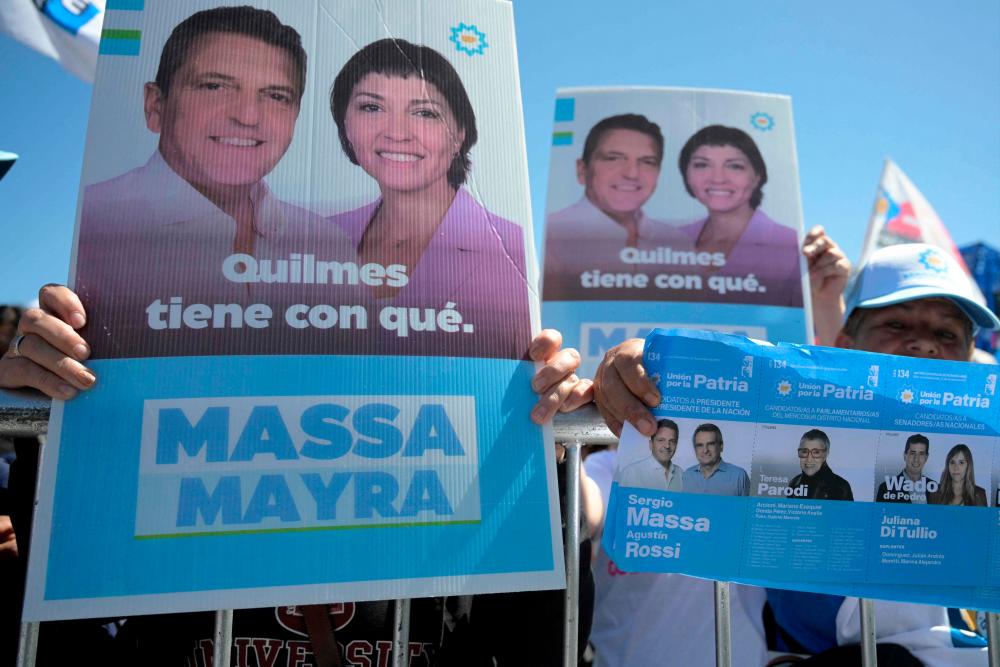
(565, 109)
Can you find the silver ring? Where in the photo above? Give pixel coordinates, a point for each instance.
(15, 345)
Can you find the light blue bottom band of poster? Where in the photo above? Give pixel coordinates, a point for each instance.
(218, 473)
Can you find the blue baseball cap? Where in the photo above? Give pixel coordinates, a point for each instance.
(911, 271)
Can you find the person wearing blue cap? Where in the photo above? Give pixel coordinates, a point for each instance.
(912, 300)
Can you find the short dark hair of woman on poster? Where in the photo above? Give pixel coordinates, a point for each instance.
(958, 480)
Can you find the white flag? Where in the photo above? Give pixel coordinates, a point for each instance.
(903, 215)
(68, 31)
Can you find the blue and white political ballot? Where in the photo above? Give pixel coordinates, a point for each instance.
(813, 468)
(290, 409)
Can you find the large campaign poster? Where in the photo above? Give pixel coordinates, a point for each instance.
(675, 208)
(815, 469)
(304, 245)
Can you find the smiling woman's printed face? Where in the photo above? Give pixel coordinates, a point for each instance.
(721, 178)
(957, 467)
(403, 132)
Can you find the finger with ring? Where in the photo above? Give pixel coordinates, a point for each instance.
(15, 345)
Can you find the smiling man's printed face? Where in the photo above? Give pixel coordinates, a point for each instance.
(663, 444)
(229, 114)
(707, 448)
(914, 459)
(622, 172)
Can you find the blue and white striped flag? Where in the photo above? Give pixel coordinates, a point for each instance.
(68, 31)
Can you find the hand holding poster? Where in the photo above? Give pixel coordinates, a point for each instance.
(296, 201)
(813, 469)
(672, 205)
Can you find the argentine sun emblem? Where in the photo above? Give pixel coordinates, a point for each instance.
(933, 260)
(468, 39)
(762, 121)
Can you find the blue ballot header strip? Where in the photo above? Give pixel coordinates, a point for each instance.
(833, 538)
(813, 384)
(510, 512)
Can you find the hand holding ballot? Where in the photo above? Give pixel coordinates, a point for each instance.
(624, 391)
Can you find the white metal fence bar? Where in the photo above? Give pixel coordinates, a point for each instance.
(223, 638)
(571, 598)
(868, 658)
(27, 645)
(723, 629)
(992, 637)
(23, 413)
(401, 633)
(584, 427)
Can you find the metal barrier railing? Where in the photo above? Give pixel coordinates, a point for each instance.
(401, 633)
(23, 413)
(26, 413)
(993, 636)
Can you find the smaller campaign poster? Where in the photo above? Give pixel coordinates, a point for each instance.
(812, 468)
(672, 207)
(304, 246)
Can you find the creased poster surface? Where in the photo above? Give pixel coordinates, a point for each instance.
(304, 246)
(813, 469)
(672, 207)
